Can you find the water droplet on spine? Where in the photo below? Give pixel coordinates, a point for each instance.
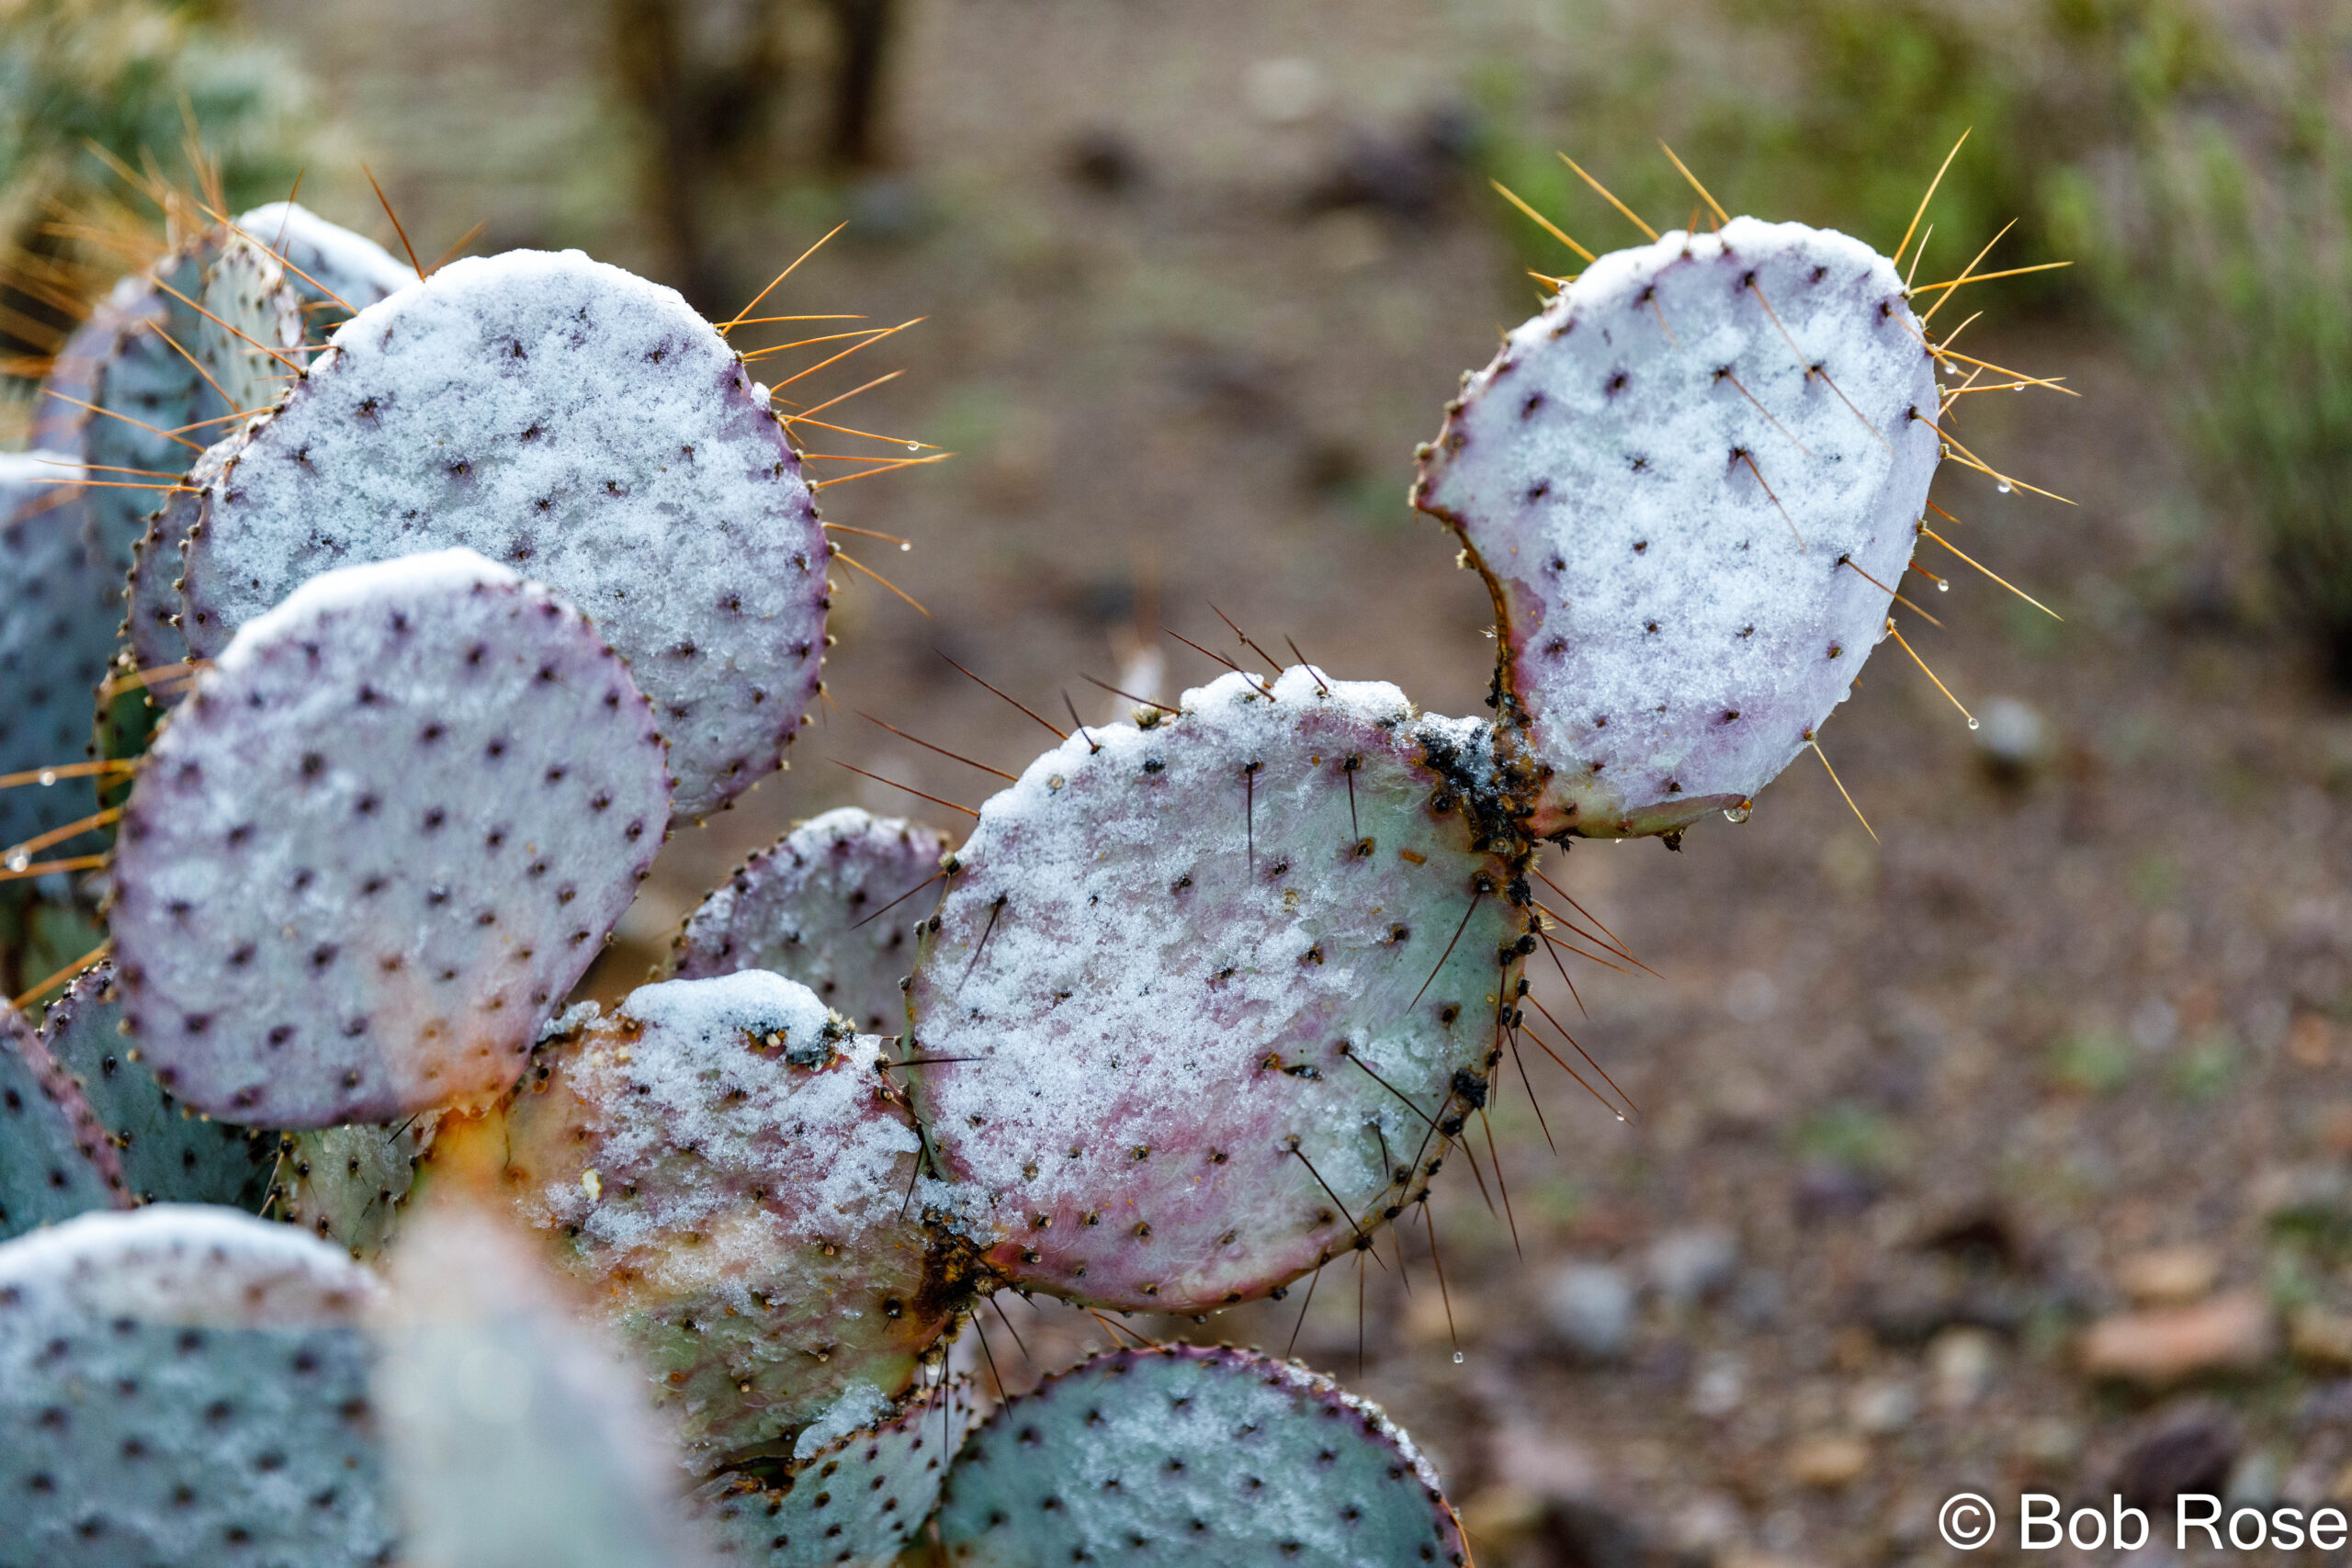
(18, 860)
(1734, 815)
(48, 777)
(1457, 1357)
(1972, 724)
(2005, 487)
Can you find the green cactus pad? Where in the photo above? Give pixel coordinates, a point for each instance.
(1691, 482)
(1194, 1458)
(859, 1499)
(167, 1152)
(1174, 968)
(725, 1165)
(386, 834)
(517, 1437)
(152, 624)
(334, 271)
(584, 427)
(807, 908)
(54, 1160)
(186, 1385)
(59, 609)
(350, 1185)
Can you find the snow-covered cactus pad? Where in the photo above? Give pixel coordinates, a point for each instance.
(186, 1385)
(1194, 1458)
(728, 1167)
(55, 1162)
(167, 1153)
(1692, 484)
(807, 905)
(1206, 992)
(385, 834)
(582, 426)
(334, 271)
(350, 1185)
(59, 608)
(515, 1436)
(857, 1500)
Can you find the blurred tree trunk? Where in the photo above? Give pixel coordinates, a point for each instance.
(863, 30)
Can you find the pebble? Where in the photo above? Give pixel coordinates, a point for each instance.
(1963, 1361)
(1693, 1265)
(1590, 1307)
(2159, 1346)
(1884, 1406)
(1829, 1461)
(2169, 1275)
(1721, 1385)
(2012, 738)
(2191, 1449)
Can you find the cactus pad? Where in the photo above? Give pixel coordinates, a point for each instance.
(336, 271)
(726, 1165)
(168, 1153)
(1691, 483)
(59, 609)
(349, 1185)
(186, 1385)
(804, 907)
(1186, 1456)
(54, 1160)
(582, 426)
(1162, 949)
(388, 832)
(516, 1436)
(859, 1499)
(153, 622)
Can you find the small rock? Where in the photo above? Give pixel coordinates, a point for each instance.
(2254, 1480)
(2166, 1345)
(1721, 1385)
(1827, 1189)
(2012, 738)
(1884, 1406)
(1577, 1532)
(2050, 1441)
(2311, 1041)
(1590, 1307)
(2318, 1335)
(2190, 1451)
(1828, 1461)
(2167, 1276)
(1687, 1266)
(1963, 1361)
(1104, 162)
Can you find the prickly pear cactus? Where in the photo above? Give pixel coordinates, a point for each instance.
(515, 1436)
(1207, 993)
(809, 907)
(54, 1160)
(858, 1500)
(58, 610)
(1185, 1456)
(152, 623)
(334, 271)
(350, 1185)
(167, 1152)
(186, 1385)
(384, 837)
(584, 427)
(729, 1168)
(1692, 484)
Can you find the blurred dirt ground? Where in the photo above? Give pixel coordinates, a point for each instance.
(2066, 1046)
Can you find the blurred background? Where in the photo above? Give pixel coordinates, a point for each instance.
(2011, 1147)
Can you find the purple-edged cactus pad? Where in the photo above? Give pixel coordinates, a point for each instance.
(857, 1500)
(516, 1435)
(167, 1153)
(1205, 992)
(152, 622)
(336, 271)
(1692, 484)
(1194, 1458)
(725, 1163)
(806, 907)
(54, 1160)
(388, 832)
(59, 608)
(186, 1385)
(581, 425)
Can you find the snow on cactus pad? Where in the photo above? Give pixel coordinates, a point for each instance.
(1194, 1458)
(167, 1153)
(725, 1163)
(1162, 947)
(59, 611)
(859, 1499)
(382, 840)
(336, 271)
(1691, 483)
(186, 1385)
(584, 427)
(804, 907)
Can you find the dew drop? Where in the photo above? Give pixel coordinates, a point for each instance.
(1736, 814)
(48, 777)
(904, 547)
(1972, 724)
(914, 445)
(1944, 585)
(1457, 1357)
(2004, 487)
(18, 860)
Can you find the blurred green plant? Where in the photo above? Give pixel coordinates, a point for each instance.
(2097, 1061)
(91, 88)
